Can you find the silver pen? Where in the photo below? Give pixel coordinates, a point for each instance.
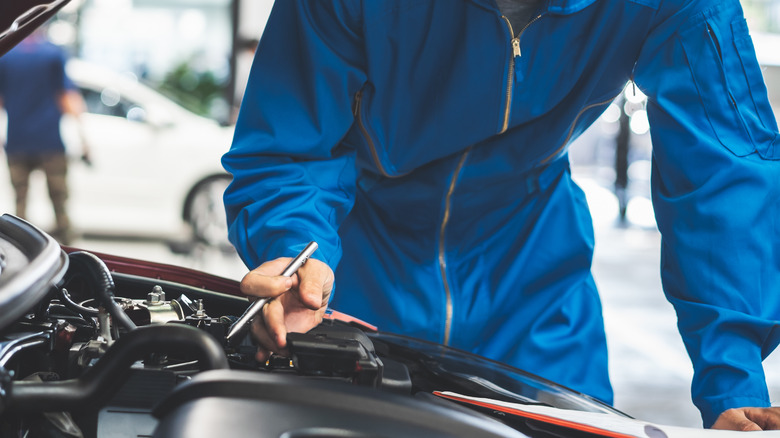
(243, 322)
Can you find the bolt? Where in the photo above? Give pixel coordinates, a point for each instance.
(156, 296)
(159, 291)
(200, 312)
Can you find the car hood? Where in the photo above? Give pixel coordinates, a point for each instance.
(30, 263)
(18, 18)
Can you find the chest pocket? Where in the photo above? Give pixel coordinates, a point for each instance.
(731, 87)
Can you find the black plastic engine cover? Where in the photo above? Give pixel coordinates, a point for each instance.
(264, 405)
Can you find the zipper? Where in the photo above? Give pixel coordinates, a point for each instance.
(571, 128)
(442, 258)
(364, 131)
(516, 53)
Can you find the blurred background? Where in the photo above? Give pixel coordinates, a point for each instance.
(162, 81)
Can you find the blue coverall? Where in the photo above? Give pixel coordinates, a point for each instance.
(423, 145)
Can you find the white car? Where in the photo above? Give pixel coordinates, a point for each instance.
(155, 167)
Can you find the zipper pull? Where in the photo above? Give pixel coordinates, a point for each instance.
(516, 58)
(516, 47)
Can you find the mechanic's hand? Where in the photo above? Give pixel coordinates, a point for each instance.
(299, 305)
(749, 419)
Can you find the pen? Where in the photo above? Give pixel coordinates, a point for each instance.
(252, 311)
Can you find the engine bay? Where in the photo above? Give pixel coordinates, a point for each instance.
(101, 346)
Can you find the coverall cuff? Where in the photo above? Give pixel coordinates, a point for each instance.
(291, 247)
(712, 407)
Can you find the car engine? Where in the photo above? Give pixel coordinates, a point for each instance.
(101, 346)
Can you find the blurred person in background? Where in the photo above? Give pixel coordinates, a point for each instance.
(423, 146)
(35, 92)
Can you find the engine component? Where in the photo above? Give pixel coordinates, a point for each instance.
(100, 278)
(101, 381)
(217, 327)
(155, 309)
(336, 351)
(276, 405)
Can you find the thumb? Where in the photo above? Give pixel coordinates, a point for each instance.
(259, 285)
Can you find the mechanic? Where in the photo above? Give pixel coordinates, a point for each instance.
(35, 92)
(423, 145)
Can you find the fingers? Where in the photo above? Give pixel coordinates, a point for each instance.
(274, 316)
(765, 418)
(270, 331)
(263, 339)
(315, 284)
(280, 316)
(299, 310)
(749, 419)
(265, 281)
(735, 419)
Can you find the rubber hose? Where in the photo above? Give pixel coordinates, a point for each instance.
(98, 273)
(99, 383)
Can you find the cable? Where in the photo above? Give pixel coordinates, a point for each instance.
(101, 279)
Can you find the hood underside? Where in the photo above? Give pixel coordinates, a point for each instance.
(18, 18)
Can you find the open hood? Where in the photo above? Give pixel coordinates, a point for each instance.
(18, 18)
(30, 263)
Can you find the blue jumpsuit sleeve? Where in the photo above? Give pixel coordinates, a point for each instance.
(293, 179)
(716, 196)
